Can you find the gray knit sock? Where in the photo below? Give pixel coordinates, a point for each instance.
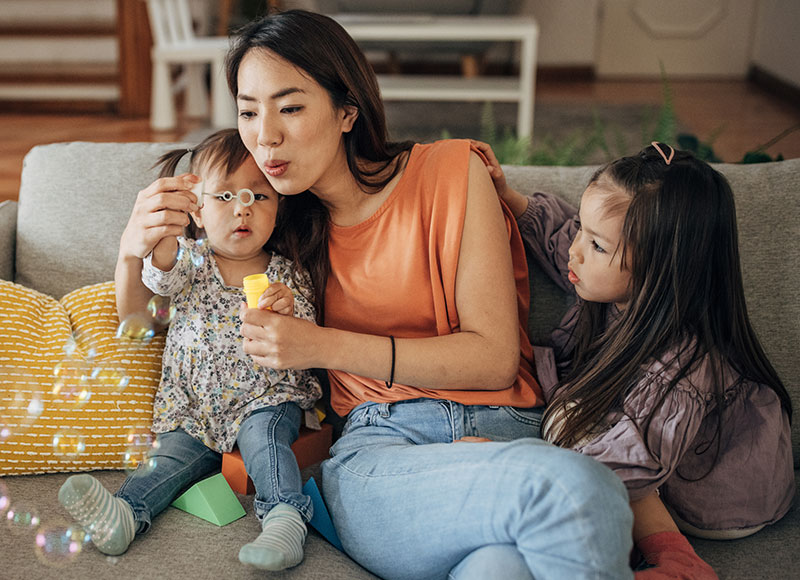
(107, 519)
(280, 543)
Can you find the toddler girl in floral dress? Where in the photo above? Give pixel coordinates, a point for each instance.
(212, 395)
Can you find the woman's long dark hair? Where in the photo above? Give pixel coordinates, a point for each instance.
(679, 241)
(320, 47)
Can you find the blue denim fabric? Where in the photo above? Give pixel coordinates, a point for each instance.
(408, 502)
(265, 439)
(492, 561)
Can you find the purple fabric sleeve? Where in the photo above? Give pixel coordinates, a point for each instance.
(548, 226)
(644, 452)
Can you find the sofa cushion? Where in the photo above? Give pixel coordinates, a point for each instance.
(71, 393)
(74, 201)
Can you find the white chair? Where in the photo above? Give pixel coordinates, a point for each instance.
(175, 43)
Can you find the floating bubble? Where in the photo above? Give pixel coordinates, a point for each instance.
(19, 409)
(197, 257)
(100, 531)
(136, 327)
(21, 518)
(80, 341)
(72, 381)
(68, 444)
(58, 544)
(112, 377)
(5, 499)
(138, 455)
(161, 309)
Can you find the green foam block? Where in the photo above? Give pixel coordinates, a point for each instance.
(211, 499)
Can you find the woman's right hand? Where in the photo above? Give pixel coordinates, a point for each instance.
(161, 210)
(280, 342)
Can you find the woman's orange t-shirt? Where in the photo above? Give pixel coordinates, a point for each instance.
(395, 274)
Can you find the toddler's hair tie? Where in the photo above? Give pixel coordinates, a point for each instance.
(667, 160)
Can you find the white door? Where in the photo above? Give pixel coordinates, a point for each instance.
(708, 38)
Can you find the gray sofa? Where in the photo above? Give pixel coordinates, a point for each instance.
(75, 199)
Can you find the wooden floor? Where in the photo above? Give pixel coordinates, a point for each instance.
(745, 116)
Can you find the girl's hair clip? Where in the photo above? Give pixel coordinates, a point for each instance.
(667, 160)
(245, 196)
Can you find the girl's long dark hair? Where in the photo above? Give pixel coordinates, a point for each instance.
(679, 241)
(321, 48)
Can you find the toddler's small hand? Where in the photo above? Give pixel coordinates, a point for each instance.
(278, 298)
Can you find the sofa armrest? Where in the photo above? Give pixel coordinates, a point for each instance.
(8, 239)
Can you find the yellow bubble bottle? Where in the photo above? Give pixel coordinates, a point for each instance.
(254, 286)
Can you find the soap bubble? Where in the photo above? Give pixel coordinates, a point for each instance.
(5, 499)
(20, 407)
(197, 257)
(72, 382)
(136, 328)
(24, 407)
(68, 444)
(112, 376)
(59, 543)
(141, 444)
(21, 518)
(161, 309)
(80, 341)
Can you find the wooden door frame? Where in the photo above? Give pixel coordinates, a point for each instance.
(135, 68)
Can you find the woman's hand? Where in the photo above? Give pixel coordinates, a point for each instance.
(278, 298)
(513, 199)
(280, 342)
(161, 210)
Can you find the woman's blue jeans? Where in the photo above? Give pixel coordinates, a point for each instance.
(410, 502)
(265, 438)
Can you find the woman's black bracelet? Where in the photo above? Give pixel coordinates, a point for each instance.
(391, 375)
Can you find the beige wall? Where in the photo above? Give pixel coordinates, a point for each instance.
(692, 38)
(775, 48)
(567, 30)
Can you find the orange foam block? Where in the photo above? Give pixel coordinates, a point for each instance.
(311, 447)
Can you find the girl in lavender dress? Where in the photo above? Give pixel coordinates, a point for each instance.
(657, 371)
(212, 395)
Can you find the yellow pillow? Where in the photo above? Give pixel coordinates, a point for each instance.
(73, 396)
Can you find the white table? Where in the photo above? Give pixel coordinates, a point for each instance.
(412, 28)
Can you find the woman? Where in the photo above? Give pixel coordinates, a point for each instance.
(422, 292)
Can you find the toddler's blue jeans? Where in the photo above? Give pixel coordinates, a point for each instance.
(265, 438)
(409, 502)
